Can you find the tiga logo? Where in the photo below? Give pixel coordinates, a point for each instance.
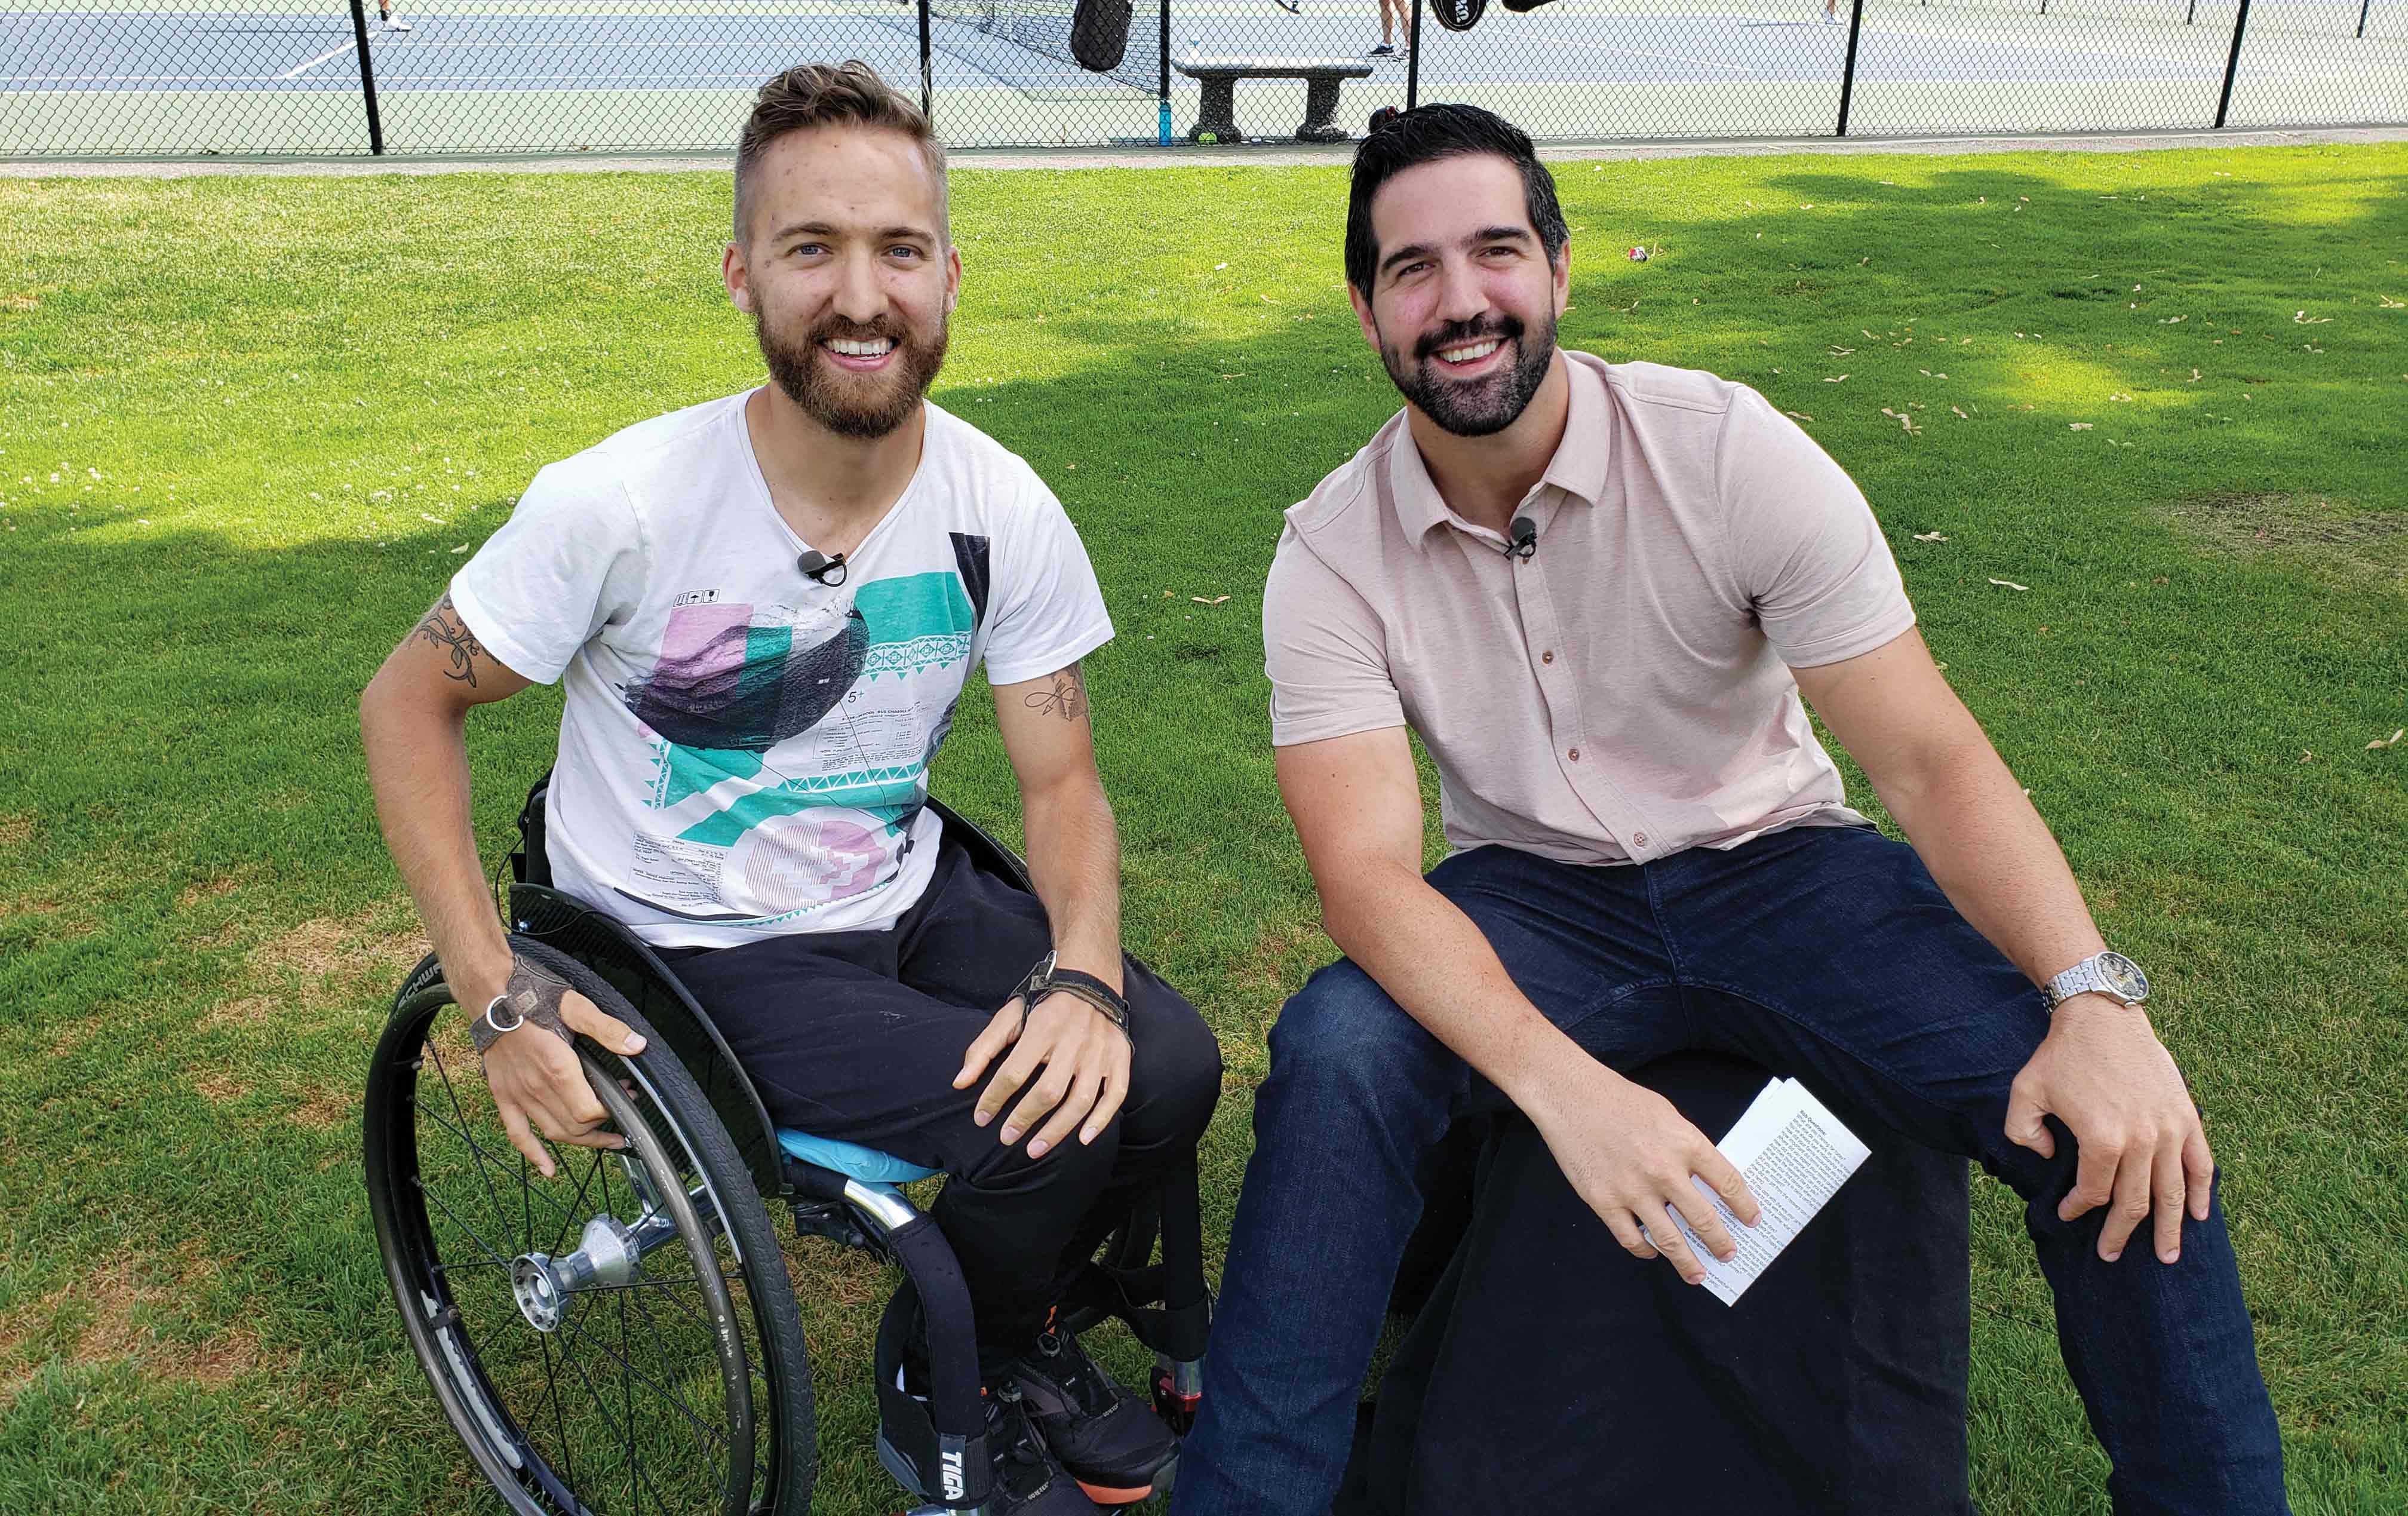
(698, 597)
(949, 1472)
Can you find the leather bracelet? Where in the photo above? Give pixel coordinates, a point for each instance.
(1049, 978)
(531, 994)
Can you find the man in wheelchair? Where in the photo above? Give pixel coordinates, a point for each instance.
(762, 611)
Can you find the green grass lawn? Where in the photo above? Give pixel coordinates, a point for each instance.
(249, 428)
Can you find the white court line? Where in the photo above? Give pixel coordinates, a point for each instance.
(300, 70)
(1674, 57)
(137, 78)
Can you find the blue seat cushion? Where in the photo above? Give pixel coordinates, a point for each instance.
(850, 1159)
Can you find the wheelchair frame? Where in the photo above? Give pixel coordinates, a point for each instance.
(936, 1448)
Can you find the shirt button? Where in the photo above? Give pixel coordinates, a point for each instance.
(1575, 755)
(1641, 838)
(1548, 656)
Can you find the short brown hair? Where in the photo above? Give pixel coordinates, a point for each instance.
(849, 94)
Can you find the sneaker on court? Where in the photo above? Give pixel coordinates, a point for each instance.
(393, 26)
(1029, 1480)
(1107, 1436)
(1382, 50)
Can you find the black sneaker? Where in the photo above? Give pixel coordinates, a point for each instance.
(1382, 50)
(1028, 1479)
(1107, 1436)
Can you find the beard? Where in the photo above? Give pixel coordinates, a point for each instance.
(1480, 406)
(862, 406)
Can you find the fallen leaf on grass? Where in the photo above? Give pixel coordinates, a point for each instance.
(1799, 414)
(1201, 600)
(2300, 318)
(2009, 584)
(2390, 304)
(2387, 742)
(1960, 414)
(1834, 379)
(1932, 537)
(2124, 398)
(2079, 426)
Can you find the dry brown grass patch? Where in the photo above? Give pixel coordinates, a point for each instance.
(343, 963)
(220, 1088)
(327, 1109)
(120, 1298)
(16, 828)
(1280, 951)
(74, 1035)
(2316, 527)
(217, 889)
(249, 1011)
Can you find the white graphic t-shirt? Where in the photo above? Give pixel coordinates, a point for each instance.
(744, 752)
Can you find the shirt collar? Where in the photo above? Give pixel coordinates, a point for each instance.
(1578, 468)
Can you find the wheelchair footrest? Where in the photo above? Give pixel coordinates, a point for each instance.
(1178, 1392)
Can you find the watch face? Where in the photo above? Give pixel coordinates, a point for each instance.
(2124, 976)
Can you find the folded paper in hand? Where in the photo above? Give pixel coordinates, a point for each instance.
(1795, 1155)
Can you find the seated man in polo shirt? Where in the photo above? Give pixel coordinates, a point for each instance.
(1598, 591)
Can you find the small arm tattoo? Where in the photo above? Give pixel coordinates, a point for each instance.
(1065, 695)
(444, 628)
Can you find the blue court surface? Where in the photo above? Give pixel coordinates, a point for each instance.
(473, 75)
(122, 51)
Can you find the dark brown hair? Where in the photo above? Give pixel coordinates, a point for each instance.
(1426, 135)
(849, 94)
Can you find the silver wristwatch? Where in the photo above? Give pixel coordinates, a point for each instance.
(2109, 974)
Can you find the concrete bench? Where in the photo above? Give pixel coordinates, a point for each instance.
(1321, 76)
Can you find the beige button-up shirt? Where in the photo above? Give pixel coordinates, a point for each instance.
(1623, 692)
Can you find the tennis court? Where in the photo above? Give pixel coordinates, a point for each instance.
(470, 79)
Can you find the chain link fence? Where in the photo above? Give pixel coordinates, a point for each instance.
(171, 79)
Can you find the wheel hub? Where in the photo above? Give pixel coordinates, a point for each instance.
(607, 1254)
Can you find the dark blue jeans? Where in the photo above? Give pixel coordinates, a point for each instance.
(1828, 953)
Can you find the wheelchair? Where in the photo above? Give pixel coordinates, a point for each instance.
(624, 1336)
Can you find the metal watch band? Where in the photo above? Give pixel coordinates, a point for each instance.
(2091, 977)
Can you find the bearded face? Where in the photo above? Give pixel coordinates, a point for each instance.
(1507, 363)
(858, 379)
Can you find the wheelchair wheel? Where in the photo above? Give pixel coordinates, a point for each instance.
(622, 1337)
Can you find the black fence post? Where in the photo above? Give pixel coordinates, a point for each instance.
(2232, 65)
(368, 77)
(1848, 70)
(1162, 118)
(927, 70)
(1414, 61)
(2361, 18)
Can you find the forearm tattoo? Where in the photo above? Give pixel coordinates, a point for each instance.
(1065, 695)
(445, 629)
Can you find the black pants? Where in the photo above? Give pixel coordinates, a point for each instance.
(857, 1035)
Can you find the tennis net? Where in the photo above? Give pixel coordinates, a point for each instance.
(1043, 27)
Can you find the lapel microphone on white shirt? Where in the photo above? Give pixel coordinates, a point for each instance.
(1524, 539)
(819, 568)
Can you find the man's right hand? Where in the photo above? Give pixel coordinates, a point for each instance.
(536, 1078)
(1629, 1154)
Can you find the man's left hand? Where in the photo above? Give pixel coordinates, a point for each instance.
(2103, 1072)
(1085, 1060)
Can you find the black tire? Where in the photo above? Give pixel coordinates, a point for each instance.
(700, 1400)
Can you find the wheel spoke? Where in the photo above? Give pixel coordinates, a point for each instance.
(571, 1327)
(476, 1152)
